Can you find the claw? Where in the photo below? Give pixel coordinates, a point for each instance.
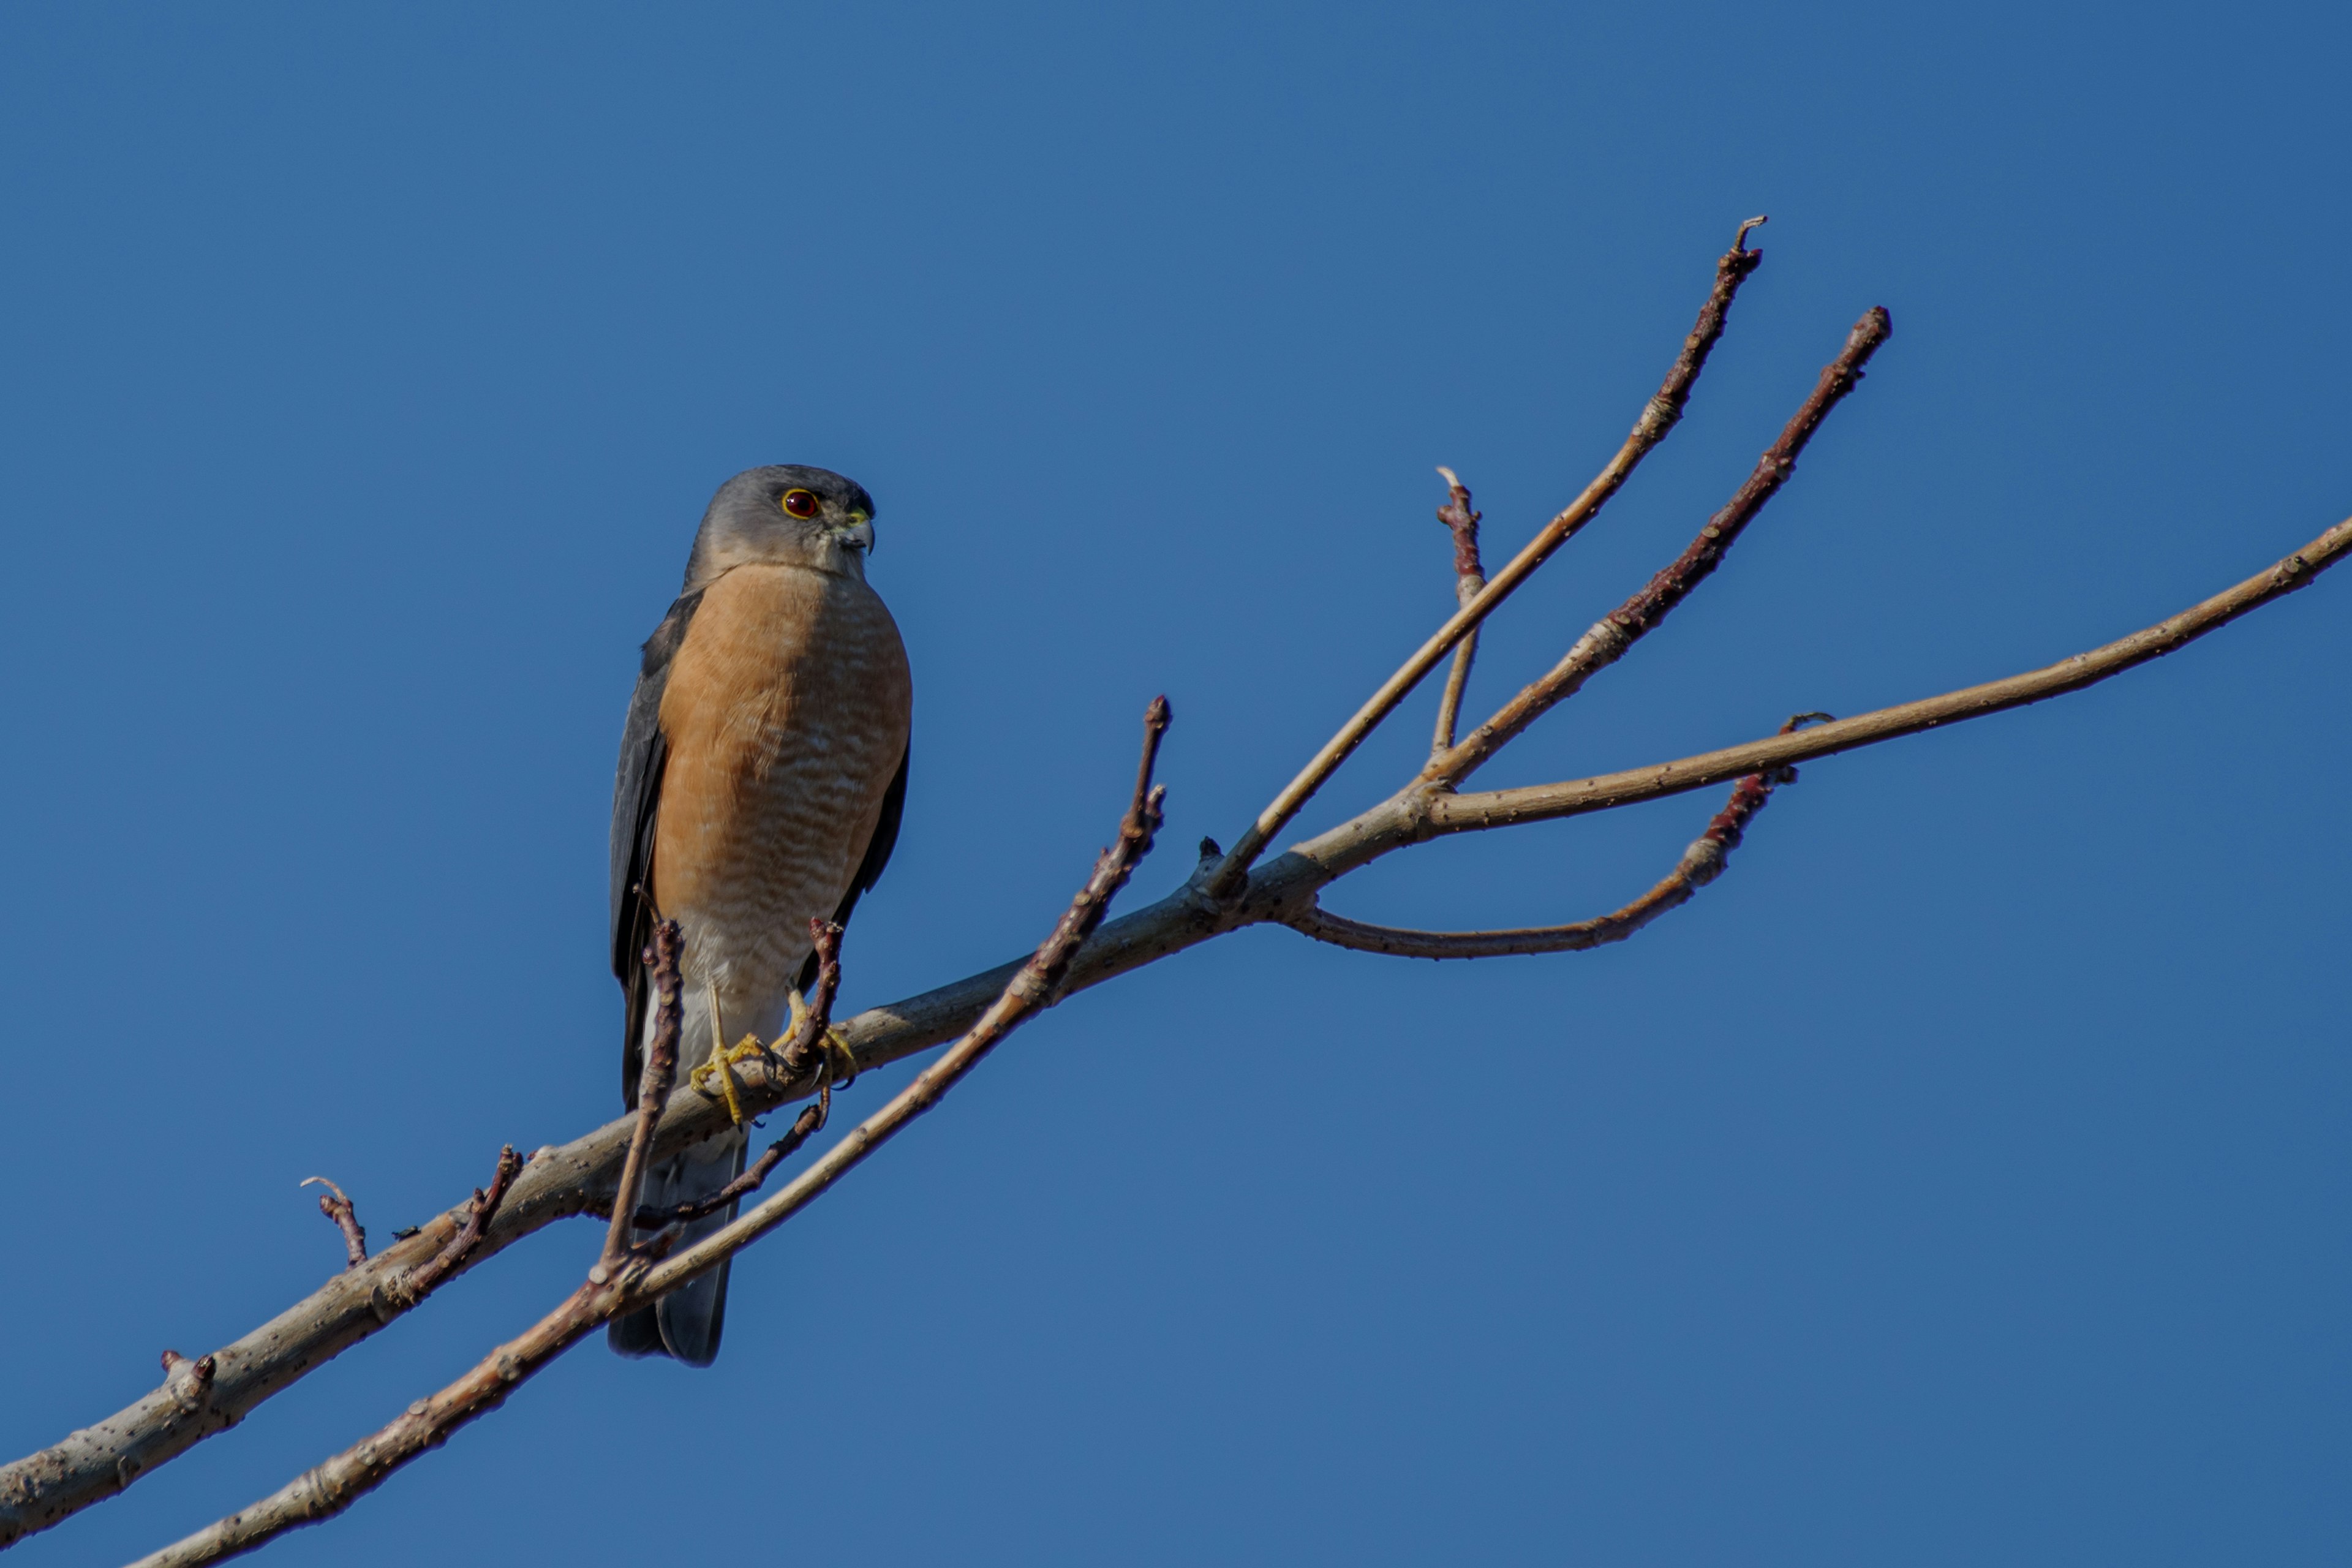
(839, 1058)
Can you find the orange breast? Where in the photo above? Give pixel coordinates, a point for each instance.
(786, 713)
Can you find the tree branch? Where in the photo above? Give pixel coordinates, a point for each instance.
(654, 1082)
(420, 1281)
(1705, 859)
(1469, 577)
(1619, 630)
(1660, 415)
(622, 1280)
(1541, 803)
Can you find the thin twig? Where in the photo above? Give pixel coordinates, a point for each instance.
(1543, 803)
(805, 1048)
(1469, 578)
(1658, 417)
(621, 1282)
(653, 1082)
(809, 1121)
(419, 1282)
(1624, 627)
(1708, 857)
(338, 1208)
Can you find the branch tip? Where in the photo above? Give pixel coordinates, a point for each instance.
(338, 1208)
(1609, 637)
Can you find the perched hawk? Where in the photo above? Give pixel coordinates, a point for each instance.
(763, 768)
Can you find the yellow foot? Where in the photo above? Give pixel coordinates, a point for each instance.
(721, 1060)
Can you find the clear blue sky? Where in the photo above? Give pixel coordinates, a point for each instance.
(1963, 1179)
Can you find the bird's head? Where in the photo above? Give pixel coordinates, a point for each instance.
(784, 515)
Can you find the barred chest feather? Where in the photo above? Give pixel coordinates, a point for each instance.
(786, 714)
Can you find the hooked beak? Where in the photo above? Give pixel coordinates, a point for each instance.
(859, 534)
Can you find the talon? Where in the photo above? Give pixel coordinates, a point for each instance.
(839, 1058)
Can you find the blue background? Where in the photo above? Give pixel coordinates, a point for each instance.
(1962, 1179)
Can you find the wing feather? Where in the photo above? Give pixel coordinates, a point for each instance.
(636, 808)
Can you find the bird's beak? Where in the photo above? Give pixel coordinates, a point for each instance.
(859, 534)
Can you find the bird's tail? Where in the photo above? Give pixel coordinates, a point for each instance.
(685, 1323)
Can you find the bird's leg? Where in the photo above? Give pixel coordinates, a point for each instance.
(723, 1057)
(841, 1061)
(719, 1061)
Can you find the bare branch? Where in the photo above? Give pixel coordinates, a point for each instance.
(653, 1082)
(338, 1208)
(1660, 415)
(418, 1283)
(1624, 627)
(1701, 863)
(1539, 803)
(620, 1281)
(1469, 577)
(803, 1047)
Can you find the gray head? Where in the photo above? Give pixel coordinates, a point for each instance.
(784, 515)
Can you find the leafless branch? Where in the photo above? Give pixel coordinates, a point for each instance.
(653, 1082)
(1705, 859)
(1541, 802)
(1225, 893)
(338, 1208)
(419, 1282)
(804, 1046)
(1469, 578)
(1661, 414)
(622, 1280)
(1622, 628)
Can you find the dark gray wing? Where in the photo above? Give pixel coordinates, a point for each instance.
(877, 854)
(636, 806)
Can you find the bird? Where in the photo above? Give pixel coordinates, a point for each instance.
(762, 780)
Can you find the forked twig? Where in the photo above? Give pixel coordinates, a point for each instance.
(1658, 417)
(1576, 797)
(1622, 628)
(1709, 855)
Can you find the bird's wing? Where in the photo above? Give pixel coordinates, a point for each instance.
(636, 805)
(877, 854)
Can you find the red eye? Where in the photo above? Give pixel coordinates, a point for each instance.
(799, 503)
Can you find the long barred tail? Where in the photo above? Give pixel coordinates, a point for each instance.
(685, 1323)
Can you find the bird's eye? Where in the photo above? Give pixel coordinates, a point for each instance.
(799, 503)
